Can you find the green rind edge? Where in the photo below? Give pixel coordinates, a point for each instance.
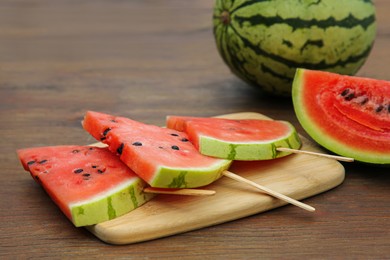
(249, 151)
(188, 177)
(115, 203)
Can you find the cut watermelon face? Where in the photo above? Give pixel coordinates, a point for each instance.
(89, 184)
(162, 157)
(246, 139)
(347, 115)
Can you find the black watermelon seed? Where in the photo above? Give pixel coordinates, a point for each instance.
(78, 170)
(137, 144)
(174, 134)
(105, 132)
(161, 147)
(100, 171)
(42, 162)
(364, 101)
(184, 140)
(379, 108)
(175, 147)
(345, 92)
(30, 162)
(388, 108)
(120, 149)
(86, 174)
(349, 97)
(94, 166)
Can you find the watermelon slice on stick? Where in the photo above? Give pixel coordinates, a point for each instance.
(162, 157)
(89, 184)
(244, 139)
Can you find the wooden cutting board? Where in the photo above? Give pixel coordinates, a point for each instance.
(297, 176)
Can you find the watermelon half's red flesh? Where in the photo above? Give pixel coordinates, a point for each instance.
(89, 184)
(162, 157)
(347, 115)
(244, 139)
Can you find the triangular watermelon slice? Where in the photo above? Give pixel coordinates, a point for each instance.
(244, 139)
(89, 184)
(162, 157)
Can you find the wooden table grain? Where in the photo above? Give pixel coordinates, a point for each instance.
(145, 60)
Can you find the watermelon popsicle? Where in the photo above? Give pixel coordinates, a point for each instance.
(89, 184)
(163, 157)
(244, 139)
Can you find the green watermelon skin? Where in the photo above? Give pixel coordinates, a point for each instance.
(263, 42)
(243, 139)
(89, 184)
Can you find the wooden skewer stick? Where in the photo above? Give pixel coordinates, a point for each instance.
(339, 158)
(190, 192)
(269, 191)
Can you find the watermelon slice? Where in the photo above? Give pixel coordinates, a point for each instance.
(162, 157)
(347, 115)
(244, 139)
(89, 184)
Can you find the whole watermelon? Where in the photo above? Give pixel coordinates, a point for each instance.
(264, 41)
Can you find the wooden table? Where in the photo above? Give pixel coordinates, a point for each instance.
(147, 59)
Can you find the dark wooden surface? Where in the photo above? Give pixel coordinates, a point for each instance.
(144, 60)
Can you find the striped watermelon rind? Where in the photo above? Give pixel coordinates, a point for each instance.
(117, 202)
(249, 151)
(170, 177)
(264, 41)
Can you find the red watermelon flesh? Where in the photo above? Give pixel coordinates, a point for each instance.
(348, 115)
(244, 139)
(89, 184)
(162, 157)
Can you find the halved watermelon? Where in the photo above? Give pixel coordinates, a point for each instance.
(162, 157)
(89, 184)
(348, 115)
(244, 139)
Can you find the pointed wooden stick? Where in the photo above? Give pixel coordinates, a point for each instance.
(268, 191)
(189, 192)
(339, 158)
